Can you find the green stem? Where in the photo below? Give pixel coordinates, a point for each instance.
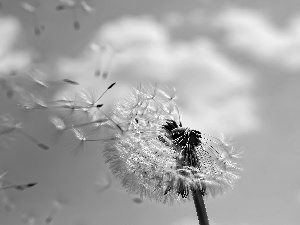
(200, 207)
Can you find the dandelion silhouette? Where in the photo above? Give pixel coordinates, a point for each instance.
(155, 157)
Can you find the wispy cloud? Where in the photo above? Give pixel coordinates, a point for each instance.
(255, 34)
(214, 92)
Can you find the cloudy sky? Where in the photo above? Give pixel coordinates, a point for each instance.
(235, 66)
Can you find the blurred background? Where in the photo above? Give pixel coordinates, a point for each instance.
(235, 66)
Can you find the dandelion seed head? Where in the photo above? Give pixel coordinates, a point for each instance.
(155, 157)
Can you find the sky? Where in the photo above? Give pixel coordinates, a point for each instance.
(235, 66)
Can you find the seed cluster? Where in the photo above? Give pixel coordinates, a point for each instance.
(157, 158)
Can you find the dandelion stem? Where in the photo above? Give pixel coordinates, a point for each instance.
(200, 207)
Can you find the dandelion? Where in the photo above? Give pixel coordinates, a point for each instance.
(155, 157)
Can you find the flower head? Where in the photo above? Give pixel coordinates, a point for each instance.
(156, 157)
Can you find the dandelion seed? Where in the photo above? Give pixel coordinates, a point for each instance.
(2, 176)
(70, 81)
(57, 206)
(9, 124)
(28, 219)
(29, 101)
(72, 5)
(38, 77)
(58, 123)
(86, 7)
(34, 140)
(19, 187)
(103, 183)
(76, 25)
(84, 101)
(10, 93)
(83, 139)
(104, 57)
(49, 219)
(157, 158)
(71, 108)
(8, 204)
(32, 10)
(4, 184)
(61, 7)
(97, 73)
(3, 83)
(137, 200)
(6, 201)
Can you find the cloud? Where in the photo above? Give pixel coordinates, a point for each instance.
(254, 33)
(10, 58)
(214, 93)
